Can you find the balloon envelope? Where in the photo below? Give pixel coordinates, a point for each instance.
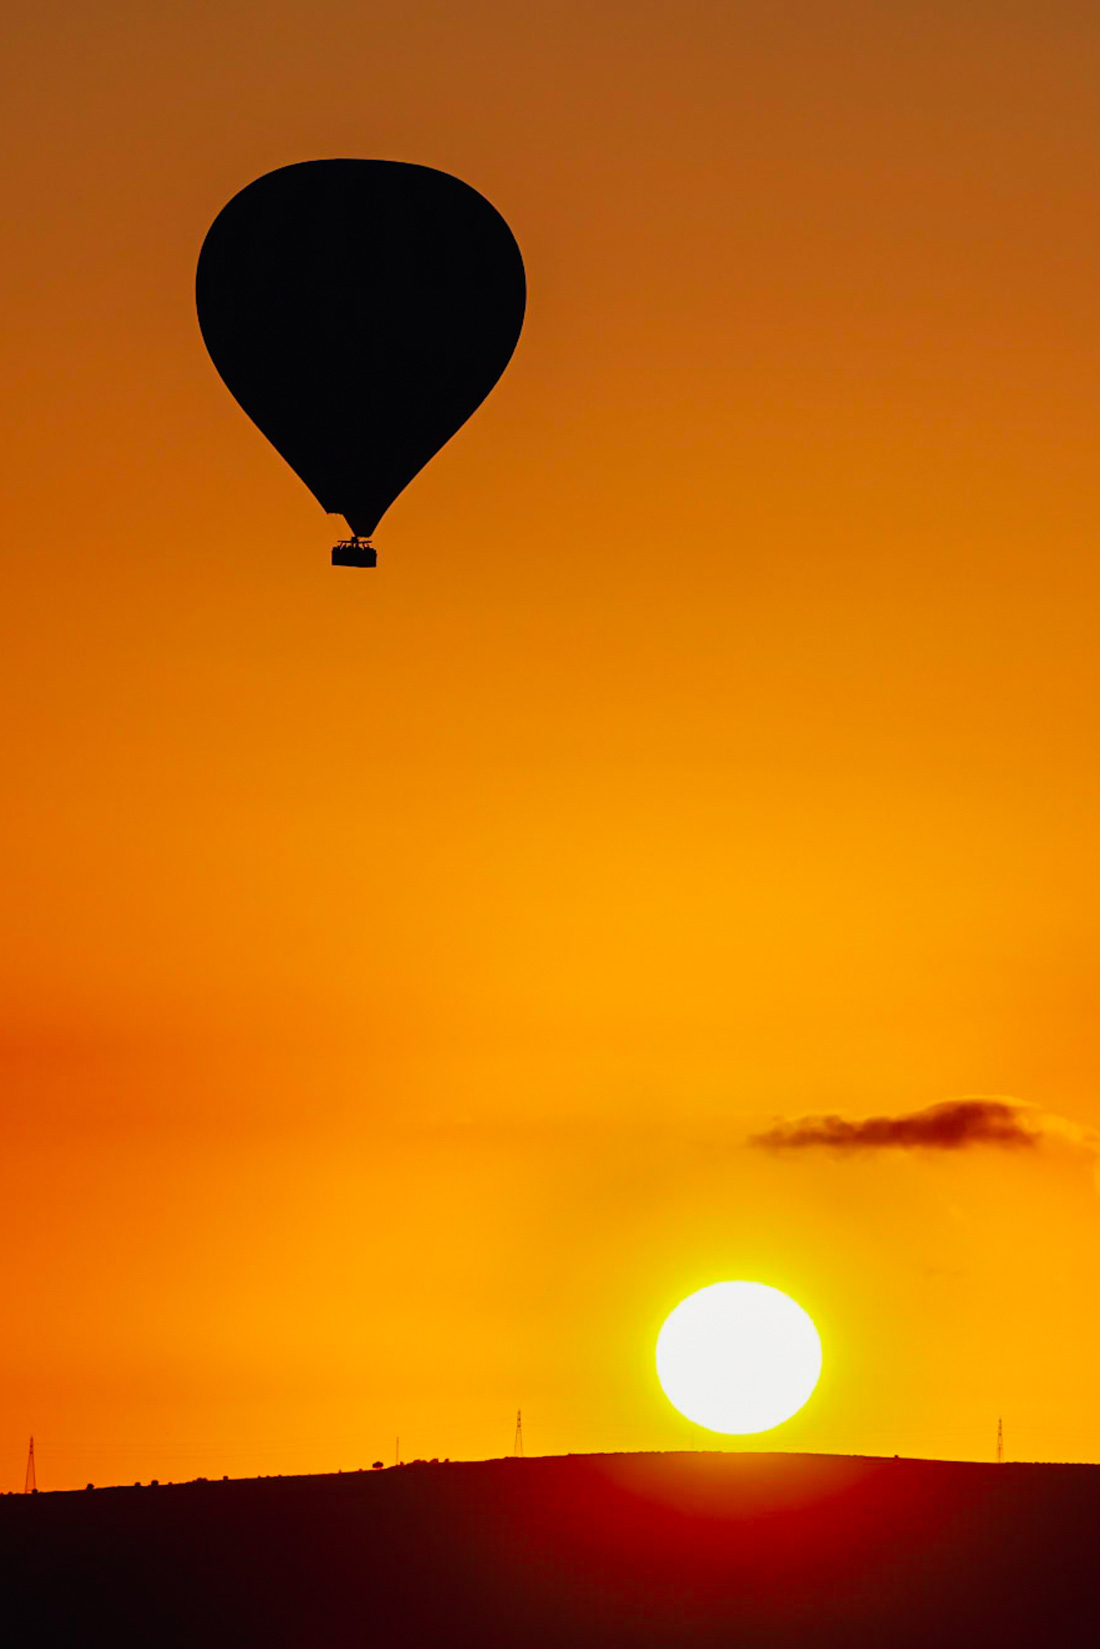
(359, 311)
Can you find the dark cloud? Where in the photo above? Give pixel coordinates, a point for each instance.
(952, 1126)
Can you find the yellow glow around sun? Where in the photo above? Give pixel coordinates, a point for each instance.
(738, 1357)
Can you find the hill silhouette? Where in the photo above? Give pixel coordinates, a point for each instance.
(755, 1550)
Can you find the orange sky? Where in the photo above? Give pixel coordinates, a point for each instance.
(394, 964)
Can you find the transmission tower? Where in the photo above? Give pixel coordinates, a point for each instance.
(30, 1486)
(1000, 1443)
(517, 1446)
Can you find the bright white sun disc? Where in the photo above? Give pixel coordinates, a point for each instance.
(738, 1357)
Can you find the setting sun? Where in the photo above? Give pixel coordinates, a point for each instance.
(738, 1357)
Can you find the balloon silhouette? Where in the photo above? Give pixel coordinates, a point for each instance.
(359, 311)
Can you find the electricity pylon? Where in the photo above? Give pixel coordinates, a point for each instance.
(517, 1446)
(30, 1486)
(1000, 1443)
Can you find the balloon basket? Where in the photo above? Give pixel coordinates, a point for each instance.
(354, 552)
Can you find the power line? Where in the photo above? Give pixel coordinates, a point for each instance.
(30, 1485)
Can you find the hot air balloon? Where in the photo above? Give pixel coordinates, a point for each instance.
(359, 311)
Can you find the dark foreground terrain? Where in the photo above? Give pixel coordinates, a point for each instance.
(675, 1549)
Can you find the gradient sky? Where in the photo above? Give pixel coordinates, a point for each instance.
(396, 964)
